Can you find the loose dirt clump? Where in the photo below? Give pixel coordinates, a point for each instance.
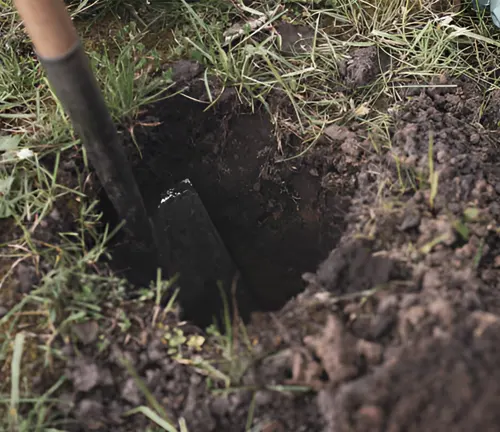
(438, 384)
(363, 67)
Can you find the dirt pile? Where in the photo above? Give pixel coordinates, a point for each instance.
(427, 271)
(173, 367)
(441, 383)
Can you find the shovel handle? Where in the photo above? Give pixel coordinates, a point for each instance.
(49, 26)
(69, 72)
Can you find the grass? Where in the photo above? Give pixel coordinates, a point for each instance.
(36, 140)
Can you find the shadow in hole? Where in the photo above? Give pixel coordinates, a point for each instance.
(276, 220)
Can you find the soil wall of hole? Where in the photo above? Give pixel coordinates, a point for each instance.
(276, 218)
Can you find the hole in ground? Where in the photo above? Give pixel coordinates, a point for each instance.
(275, 219)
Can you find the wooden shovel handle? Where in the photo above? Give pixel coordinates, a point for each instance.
(49, 26)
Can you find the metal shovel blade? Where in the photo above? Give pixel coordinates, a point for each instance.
(190, 246)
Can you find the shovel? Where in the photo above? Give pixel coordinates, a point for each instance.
(180, 238)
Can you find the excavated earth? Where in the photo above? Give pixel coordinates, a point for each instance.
(376, 270)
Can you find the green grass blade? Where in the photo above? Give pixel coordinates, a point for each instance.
(151, 415)
(16, 378)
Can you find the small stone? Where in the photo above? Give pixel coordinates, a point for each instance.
(314, 172)
(86, 331)
(85, 377)
(130, 392)
(441, 156)
(156, 350)
(474, 138)
(55, 215)
(3, 311)
(195, 379)
(27, 277)
(431, 280)
(411, 220)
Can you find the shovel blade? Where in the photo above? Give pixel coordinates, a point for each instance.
(191, 248)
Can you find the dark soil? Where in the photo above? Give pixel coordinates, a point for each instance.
(102, 389)
(277, 219)
(397, 328)
(431, 316)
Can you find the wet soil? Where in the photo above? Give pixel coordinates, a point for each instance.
(398, 250)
